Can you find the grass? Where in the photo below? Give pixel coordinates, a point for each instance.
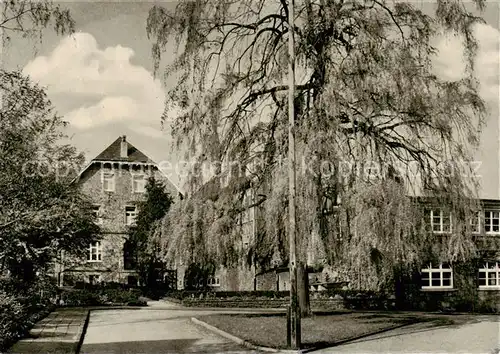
(321, 330)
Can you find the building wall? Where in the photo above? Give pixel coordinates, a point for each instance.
(114, 228)
(266, 282)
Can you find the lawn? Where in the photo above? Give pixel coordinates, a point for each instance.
(320, 330)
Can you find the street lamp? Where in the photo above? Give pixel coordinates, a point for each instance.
(293, 313)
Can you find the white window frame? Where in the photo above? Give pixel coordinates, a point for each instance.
(213, 281)
(441, 224)
(97, 210)
(130, 219)
(95, 248)
(138, 180)
(110, 178)
(247, 217)
(489, 224)
(440, 271)
(491, 271)
(477, 217)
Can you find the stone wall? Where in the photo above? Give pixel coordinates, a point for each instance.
(113, 227)
(266, 281)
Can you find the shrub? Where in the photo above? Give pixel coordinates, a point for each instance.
(80, 297)
(11, 315)
(102, 295)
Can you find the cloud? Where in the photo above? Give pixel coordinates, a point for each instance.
(450, 63)
(103, 83)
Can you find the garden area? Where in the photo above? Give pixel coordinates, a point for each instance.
(324, 330)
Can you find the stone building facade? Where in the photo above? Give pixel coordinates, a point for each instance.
(115, 181)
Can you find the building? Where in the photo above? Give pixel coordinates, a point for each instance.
(115, 181)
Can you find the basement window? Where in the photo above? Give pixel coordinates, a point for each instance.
(213, 281)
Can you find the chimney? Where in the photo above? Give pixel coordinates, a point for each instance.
(124, 147)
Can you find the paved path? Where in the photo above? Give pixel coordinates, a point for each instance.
(159, 328)
(59, 332)
(481, 336)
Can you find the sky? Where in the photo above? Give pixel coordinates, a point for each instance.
(101, 80)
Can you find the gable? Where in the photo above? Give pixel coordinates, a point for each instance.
(113, 153)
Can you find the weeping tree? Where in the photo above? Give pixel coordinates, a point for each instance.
(376, 127)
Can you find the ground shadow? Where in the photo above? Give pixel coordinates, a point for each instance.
(42, 347)
(314, 346)
(161, 346)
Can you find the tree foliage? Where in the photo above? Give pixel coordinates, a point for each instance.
(30, 17)
(367, 96)
(142, 238)
(40, 212)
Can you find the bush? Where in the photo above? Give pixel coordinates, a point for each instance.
(103, 295)
(228, 295)
(11, 314)
(19, 313)
(80, 297)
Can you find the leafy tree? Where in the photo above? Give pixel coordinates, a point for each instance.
(142, 239)
(40, 212)
(367, 96)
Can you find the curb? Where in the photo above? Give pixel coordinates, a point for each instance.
(239, 340)
(82, 333)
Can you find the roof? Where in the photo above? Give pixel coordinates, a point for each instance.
(112, 153)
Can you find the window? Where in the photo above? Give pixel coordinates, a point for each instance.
(247, 219)
(489, 276)
(97, 212)
(213, 281)
(132, 280)
(440, 221)
(108, 181)
(491, 222)
(95, 252)
(437, 277)
(130, 215)
(138, 184)
(94, 279)
(475, 223)
(129, 256)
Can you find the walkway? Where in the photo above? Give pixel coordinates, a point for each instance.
(59, 332)
(481, 336)
(160, 328)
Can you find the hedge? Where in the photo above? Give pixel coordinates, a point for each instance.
(104, 295)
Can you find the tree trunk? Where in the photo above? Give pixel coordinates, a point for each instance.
(399, 291)
(303, 290)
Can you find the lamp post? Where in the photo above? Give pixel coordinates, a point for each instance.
(293, 314)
